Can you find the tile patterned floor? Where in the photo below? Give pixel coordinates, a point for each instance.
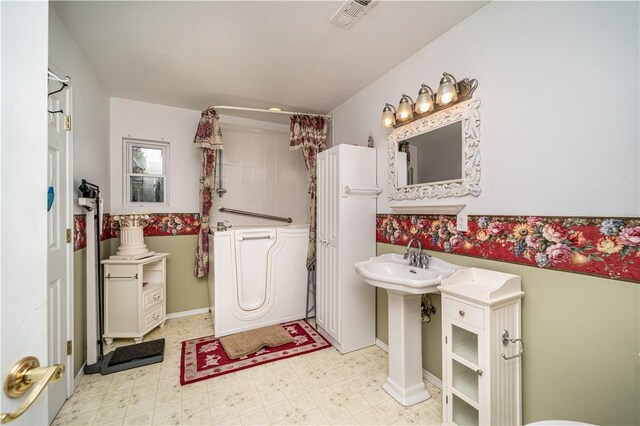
(319, 388)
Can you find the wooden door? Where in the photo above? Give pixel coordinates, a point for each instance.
(23, 190)
(59, 244)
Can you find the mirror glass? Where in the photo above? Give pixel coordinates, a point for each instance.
(431, 157)
(436, 156)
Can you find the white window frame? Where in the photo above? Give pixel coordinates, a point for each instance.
(127, 145)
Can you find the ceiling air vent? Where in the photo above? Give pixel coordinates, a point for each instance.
(350, 12)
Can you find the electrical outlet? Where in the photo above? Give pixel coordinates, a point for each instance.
(462, 222)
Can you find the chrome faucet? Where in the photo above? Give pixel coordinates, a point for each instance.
(413, 258)
(418, 259)
(423, 261)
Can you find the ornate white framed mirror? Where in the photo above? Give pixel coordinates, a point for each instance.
(436, 156)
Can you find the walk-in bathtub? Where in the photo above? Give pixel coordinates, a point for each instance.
(257, 277)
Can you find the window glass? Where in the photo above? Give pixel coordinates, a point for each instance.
(145, 174)
(146, 189)
(147, 160)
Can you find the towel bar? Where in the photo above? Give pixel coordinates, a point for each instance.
(505, 341)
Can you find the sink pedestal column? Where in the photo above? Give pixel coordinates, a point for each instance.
(404, 383)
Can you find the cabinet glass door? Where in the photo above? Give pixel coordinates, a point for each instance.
(464, 344)
(465, 380)
(463, 413)
(464, 373)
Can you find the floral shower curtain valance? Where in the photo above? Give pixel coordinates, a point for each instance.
(209, 139)
(208, 134)
(310, 133)
(308, 130)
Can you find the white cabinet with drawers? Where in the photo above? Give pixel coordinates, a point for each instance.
(482, 379)
(134, 296)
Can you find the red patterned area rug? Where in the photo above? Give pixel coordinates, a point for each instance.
(204, 358)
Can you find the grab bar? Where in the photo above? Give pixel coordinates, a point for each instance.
(261, 237)
(264, 216)
(373, 191)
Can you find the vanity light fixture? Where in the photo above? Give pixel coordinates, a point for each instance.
(405, 108)
(450, 92)
(424, 101)
(388, 116)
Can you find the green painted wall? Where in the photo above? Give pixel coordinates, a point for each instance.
(582, 337)
(184, 291)
(80, 303)
(79, 310)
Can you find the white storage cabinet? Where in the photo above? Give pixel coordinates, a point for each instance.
(482, 376)
(134, 297)
(345, 304)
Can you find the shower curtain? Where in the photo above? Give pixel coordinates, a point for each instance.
(209, 139)
(309, 132)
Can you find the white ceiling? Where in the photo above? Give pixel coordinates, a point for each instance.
(253, 54)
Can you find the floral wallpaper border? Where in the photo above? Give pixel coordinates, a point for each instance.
(604, 247)
(159, 225)
(600, 247)
(79, 232)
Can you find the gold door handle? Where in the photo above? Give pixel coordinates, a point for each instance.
(22, 376)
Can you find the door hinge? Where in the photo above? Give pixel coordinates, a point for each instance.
(446, 399)
(69, 347)
(445, 340)
(68, 235)
(67, 122)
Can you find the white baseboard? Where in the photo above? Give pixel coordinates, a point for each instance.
(429, 377)
(80, 375)
(199, 311)
(382, 345)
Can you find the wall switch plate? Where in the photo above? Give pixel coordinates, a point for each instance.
(462, 222)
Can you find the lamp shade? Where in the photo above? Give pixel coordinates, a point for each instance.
(405, 109)
(424, 101)
(447, 92)
(388, 117)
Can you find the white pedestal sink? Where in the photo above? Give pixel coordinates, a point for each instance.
(405, 286)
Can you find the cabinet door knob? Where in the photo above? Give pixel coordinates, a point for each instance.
(156, 297)
(461, 312)
(156, 316)
(479, 372)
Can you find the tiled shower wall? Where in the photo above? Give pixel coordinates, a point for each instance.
(261, 175)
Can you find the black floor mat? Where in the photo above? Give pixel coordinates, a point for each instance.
(138, 351)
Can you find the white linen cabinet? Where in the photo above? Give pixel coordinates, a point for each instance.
(481, 348)
(346, 223)
(134, 296)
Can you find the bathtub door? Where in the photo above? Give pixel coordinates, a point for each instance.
(253, 287)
